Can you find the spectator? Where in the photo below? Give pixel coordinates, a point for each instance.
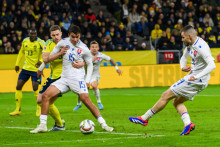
(143, 46)
(142, 28)
(100, 17)
(125, 13)
(163, 42)
(118, 39)
(208, 19)
(9, 49)
(156, 34)
(133, 20)
(90, 16)
(127, 44)
(212, 41)
(135, 45)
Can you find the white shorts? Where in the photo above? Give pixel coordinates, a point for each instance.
(188, 89)
(95, 78)
(65, 84)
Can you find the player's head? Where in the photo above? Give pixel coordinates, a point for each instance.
(55, 33)
(74, 34)
(33, 34)
(94, 47)
(189, 35)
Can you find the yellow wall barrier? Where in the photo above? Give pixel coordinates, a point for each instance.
(133, 76)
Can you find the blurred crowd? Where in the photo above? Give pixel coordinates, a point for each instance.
(157, 21)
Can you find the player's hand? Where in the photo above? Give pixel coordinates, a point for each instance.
(38, 64)
(186, 68)
(88, 85)
(39, 73)
(17, 68)
(94, 58)
(78, 64)
(192, 78)
(119, 71)
(63, 50)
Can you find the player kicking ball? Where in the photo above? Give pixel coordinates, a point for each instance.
(71, 78)
(202, 63)
(97, 60)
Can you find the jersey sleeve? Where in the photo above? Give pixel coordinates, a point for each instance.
(207, 57)
(183, 60)
(88, 59)
(57, 48)
(42, 45)
(105, 57)
(46, 48)
(20, 55)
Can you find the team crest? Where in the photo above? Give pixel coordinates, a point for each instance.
(44, 48)
(195, 53)
(79, 51)
(98, 59)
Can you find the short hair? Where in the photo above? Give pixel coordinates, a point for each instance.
(74, 29)
(32, 30)
(189, 30)
(93, 42)
(54, 28)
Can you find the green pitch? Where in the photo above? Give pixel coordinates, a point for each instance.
(119, 104)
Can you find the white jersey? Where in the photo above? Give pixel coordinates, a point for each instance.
(98, 61)
(79, 52)
(200, 55)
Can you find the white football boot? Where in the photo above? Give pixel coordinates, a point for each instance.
(42, 128)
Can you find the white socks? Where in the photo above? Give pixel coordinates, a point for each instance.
(43, 119)
(78, 100)
(148, 114)
(97, 94)
(101, 121)
(186, 119)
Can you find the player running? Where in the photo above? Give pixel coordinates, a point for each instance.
(97, 60)
(202, 63)
(31, 50)
(71, 78)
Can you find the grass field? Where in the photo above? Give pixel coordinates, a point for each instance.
(119, 104)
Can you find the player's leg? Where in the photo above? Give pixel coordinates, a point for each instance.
(96, 91)
(161, 103)
(53, 111)
(48, 97)
(23, 77)
(94, 110)
(35, 83)
(181, 109)
(36, 91)
(79, 105)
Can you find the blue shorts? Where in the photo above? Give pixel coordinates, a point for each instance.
(47, 84)
(25, 75)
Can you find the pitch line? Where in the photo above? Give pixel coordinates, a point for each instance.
(115, 133)
(150, 94)
(52, 142)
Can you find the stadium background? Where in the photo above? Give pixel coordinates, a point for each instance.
(137, 57)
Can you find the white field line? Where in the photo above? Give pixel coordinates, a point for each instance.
(149, 94)
(54, 142)
(114, 133)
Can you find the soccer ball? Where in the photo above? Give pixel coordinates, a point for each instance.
(87, 126)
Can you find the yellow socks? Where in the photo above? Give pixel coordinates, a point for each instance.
(18, 97)
(55, 114)
(38, 111)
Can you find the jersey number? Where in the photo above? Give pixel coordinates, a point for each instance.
(30, 52)
(82, 84)
(71, 58)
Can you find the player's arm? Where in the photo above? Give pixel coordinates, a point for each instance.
(19, 58)
(78, 64)
(116, 67)
(183, 62)
(88, 59)
(206, 55)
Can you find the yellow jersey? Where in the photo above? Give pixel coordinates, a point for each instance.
(32, 52)
(56, 65)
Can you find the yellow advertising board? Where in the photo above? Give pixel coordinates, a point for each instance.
(133, 76)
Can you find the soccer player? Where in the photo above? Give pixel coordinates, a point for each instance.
(56, 70)
(97, 60)
(71, 78)
(202, 63)
(31, 50)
